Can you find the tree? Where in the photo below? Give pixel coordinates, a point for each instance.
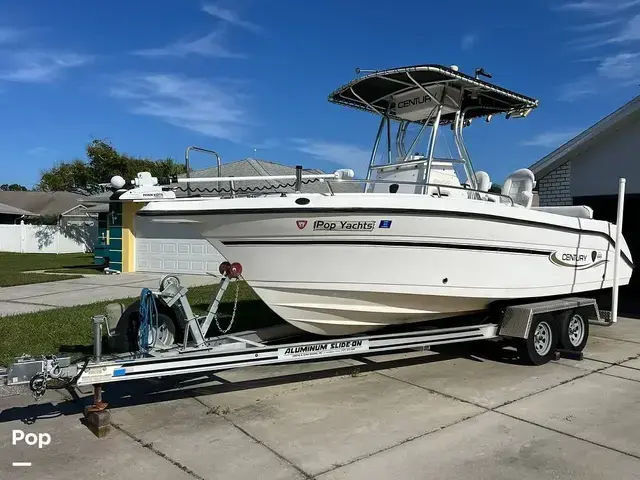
(14, 187)
(103, 162)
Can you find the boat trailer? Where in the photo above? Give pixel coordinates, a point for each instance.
(541, 331)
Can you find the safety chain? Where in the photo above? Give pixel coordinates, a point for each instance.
(38, 385)
(233, 315)
(51, 377)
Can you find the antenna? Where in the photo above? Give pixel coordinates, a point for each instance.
(359, 71)
(480, 71)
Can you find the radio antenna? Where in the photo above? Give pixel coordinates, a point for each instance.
(480, 71)
(359, 71)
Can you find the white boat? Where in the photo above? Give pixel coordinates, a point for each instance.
(424, 240)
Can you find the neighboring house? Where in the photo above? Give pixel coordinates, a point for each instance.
(133, 243)
(82, 215)
(586, 171)
(41, 204)
(10, 214)
(52, 208)
(106, 215)
(587, 167)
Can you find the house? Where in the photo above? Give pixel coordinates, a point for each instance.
(50, 207)
(130, 243)
(75, 220)
(10, 214)
(46, 222)
(587, 167)
(586, 171)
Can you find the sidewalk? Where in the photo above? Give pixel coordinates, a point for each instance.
(81, 291)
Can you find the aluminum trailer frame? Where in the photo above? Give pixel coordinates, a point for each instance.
(271, 345)
(278, 344)
(252, 355)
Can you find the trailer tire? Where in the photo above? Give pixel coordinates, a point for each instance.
(573, 330)
(540, 345)
(125, 339)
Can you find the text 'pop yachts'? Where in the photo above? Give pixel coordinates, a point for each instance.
(344, 225)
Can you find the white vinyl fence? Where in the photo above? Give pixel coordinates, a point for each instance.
(47, 238)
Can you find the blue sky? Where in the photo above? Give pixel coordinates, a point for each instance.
(156, 76)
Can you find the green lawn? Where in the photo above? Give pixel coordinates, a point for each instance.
(14, 265)
(69, 330)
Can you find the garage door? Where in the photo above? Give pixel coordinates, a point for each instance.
(184, 251)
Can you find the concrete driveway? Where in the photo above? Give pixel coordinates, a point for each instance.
(88, 289)
(460, 413)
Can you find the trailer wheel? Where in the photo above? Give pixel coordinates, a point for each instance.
(573, 331)
(540, 346)
(166, 331)
(125, 339)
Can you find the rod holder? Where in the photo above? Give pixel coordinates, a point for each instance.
(298, 178)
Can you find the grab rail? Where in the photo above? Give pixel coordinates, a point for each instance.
(203, 150)
(329, 178)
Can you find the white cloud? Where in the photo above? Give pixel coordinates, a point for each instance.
(614, 71)
(21, 63)
(616, 33)
(577, 89)
(629, 32)
(599, 7)
(468, 41)
(230, 17)
(551, 139)
(11, 35)
(622, 67)
(212, 109)
(34, 66)
(590, 27)
(210, 45)
(346, 155)
(207, 46)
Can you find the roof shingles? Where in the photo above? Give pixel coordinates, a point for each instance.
(9, 210)
(40, 203)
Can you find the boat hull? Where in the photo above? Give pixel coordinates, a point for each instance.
(339, 271)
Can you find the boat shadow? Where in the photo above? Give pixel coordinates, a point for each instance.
(150, 391)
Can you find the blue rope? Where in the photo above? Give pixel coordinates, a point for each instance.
(148, 319)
